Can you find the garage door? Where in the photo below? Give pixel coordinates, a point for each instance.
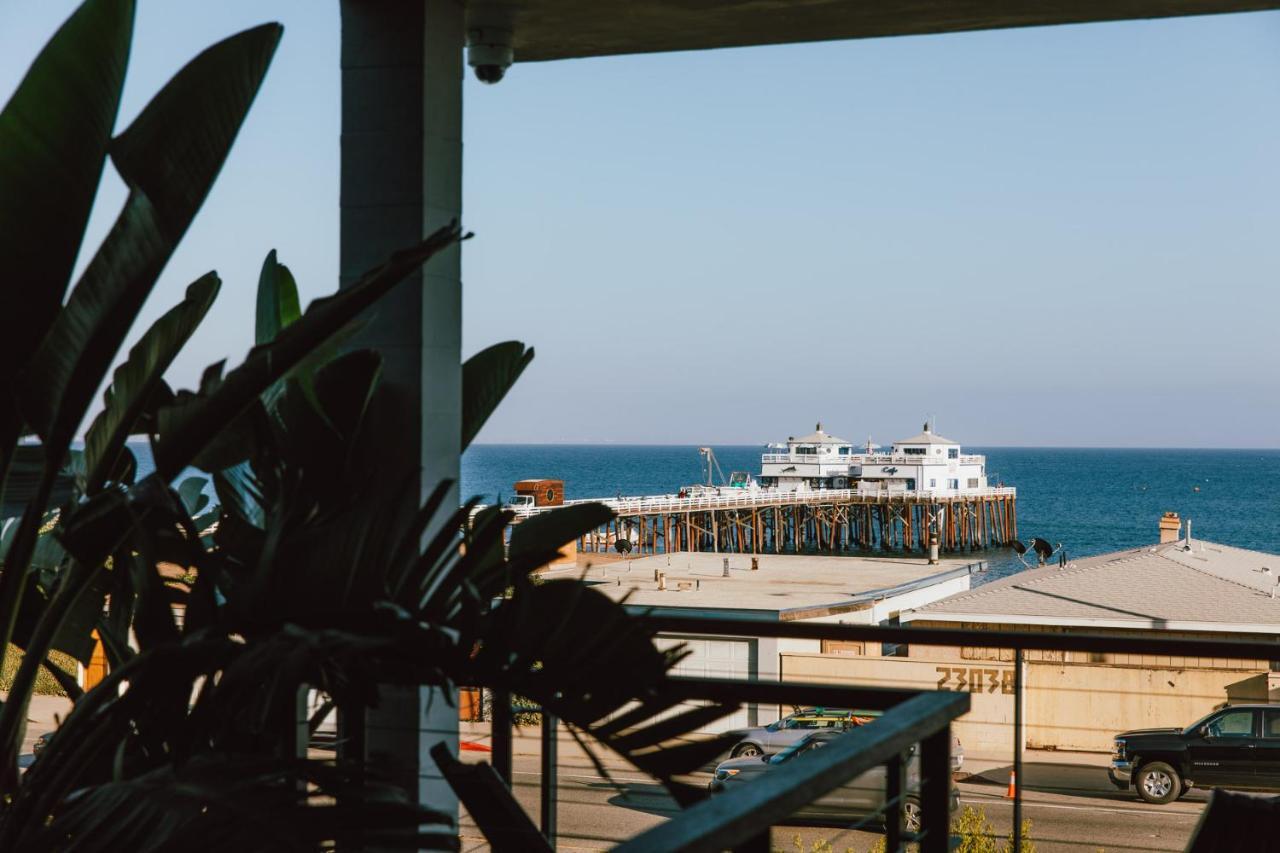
(717, 657)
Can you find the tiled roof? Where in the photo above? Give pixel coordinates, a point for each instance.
(1210, 583)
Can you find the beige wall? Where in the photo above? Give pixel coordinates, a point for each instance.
(1070, 706)
(1082, 706)
(987, 728)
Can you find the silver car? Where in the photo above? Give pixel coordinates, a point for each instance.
(793, 728)
(860, 798)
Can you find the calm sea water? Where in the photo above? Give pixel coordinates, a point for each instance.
(1091, 500)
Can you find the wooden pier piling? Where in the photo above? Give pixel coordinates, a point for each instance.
(836, 521)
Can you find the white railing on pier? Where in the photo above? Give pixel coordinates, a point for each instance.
(729, 498)
(868, 459)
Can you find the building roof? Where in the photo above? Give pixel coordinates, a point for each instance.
(926, 437)
(816, 437)
(1208, 587)
(785, 586)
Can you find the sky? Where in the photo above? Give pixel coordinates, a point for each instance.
(1061, 236)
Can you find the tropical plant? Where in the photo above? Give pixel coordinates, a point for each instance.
(315, 575)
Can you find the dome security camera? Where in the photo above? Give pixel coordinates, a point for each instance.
(490, 53)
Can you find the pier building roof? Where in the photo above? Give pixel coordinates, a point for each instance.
(816, 437)
(785, 587)
(926, 437)
(1200, 586)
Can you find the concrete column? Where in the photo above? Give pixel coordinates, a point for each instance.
(402, 67)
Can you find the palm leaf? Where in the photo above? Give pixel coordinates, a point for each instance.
(486, 378)
(135, 382)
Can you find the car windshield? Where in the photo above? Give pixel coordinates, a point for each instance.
(1200, 722)
(795, 749)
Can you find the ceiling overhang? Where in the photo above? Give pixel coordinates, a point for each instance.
(565, 29)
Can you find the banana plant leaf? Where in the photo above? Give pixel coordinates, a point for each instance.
(24, 481)
(191, 493)
(194, 420)
(136, 382)
(548, 531)
(53, 141)
(486, 378)
(278, 304)
(169, 158)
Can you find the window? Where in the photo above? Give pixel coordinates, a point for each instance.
(933, 484)
(953, 453)
(973, 482)
(914, 451)
(1232, 724)
(1271, 724)
(953, 484)
(806, 723)
(843, 451)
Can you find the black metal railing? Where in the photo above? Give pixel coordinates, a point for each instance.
(910, 717)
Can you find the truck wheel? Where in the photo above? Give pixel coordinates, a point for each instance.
(747, 750)
(1158, 783)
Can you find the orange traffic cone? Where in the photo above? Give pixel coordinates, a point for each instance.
(1013, 785)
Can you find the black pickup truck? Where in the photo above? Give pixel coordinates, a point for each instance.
(1235, 747)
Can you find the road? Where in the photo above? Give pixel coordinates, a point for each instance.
(1070, 806)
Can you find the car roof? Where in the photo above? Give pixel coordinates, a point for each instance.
(821, 709)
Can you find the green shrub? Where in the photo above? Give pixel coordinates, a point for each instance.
(45, 683)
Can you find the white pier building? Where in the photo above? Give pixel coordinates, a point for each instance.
(922, 463)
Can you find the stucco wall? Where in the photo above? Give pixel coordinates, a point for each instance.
(1066, 706)
(987, 728)
(1082, 706)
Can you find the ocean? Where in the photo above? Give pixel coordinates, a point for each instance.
(1092, 500)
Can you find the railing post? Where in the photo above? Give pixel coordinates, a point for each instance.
(893, 801)
(1017, 751)
(550, 730)
(935, 791)
(501, 734)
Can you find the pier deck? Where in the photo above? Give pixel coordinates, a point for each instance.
(775, 521)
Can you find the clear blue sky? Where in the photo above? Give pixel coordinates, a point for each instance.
(1058, 236)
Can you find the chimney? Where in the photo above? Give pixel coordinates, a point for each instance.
(1170, 526)
(662, 580)
(1188, 534)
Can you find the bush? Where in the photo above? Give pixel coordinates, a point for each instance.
(45, 683)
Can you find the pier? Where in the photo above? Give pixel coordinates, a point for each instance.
(772, 521)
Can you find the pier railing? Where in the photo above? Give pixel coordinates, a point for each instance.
(730, 498)
(865, 459)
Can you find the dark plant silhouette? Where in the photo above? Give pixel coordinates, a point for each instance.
(311, 574)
